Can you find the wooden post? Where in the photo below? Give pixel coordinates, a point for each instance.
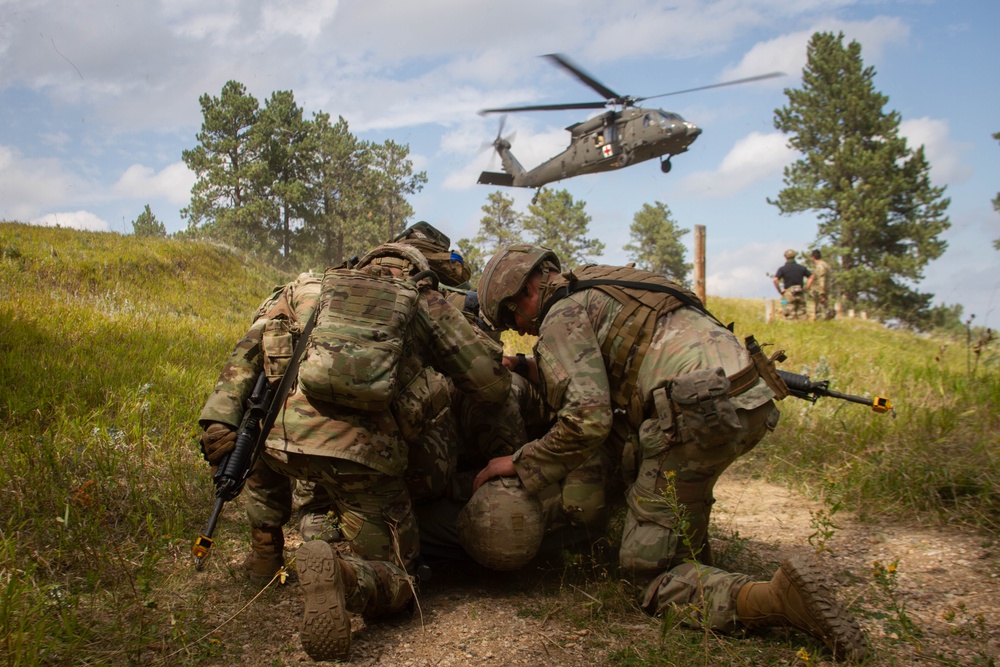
(699, 262)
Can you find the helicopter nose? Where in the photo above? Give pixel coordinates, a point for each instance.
(693, 131)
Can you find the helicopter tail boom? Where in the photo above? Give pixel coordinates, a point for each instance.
(496, 178)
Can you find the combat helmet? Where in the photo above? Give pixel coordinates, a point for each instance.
(790, 254)
(502, 525)
(506, 274)
(435, 246)
(400, 256)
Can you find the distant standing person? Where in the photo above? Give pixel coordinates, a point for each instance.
(819, 288)
(790, 281)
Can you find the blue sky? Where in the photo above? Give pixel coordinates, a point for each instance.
(97, 102)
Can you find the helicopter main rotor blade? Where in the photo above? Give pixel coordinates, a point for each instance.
(599, 87)
(547, 107)
(759, 77)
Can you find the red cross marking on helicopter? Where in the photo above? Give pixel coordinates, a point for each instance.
(608, 150)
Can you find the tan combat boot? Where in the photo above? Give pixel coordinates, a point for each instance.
(325, 580)
(798, 596)
(267, 556)
(317, 526)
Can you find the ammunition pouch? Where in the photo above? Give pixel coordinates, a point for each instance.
(421, 404)
(277, 345)
(696, 408)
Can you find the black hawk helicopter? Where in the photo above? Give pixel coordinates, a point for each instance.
(621, 136)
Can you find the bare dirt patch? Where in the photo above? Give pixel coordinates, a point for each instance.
(947, 585)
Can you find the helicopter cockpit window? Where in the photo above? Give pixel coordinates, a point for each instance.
(647, 120)
(668, 118)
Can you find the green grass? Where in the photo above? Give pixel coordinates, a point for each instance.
(108, 347)
(935, 456)
(110, 344)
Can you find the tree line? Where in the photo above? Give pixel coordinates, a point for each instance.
(555, 220)
(292, 190)
(306, 192)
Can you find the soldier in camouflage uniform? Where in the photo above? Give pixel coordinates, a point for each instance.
(618, 354)
(819, 288)
(358, 456)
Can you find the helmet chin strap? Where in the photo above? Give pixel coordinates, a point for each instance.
(551, 281)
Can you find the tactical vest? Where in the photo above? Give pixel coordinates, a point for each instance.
(354, 352)
(645, 297)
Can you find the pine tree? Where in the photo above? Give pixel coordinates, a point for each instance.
(396, 179)
(286, 149)
(559, 223)
(878, 212)
(339, 224)
(499, 227)
(656, 243)
(227, 201)
(146, 225)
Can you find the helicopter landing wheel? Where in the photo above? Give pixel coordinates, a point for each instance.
(665, 166)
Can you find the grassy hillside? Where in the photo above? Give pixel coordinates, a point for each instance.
(110, 344)
(936, 454)
(108, 347)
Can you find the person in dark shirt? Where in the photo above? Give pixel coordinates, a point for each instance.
(792, 280)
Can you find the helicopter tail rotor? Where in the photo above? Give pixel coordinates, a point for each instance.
(501, 142)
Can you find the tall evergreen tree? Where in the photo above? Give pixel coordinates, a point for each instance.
(226, 200)
(877, 210)
(286, 149)
(395, 180)
(339, 225)
(146, 225)
(559, 223)
(656, 243)
(499, 227)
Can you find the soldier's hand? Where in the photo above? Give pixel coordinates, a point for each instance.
(217, 441)
(501, 466)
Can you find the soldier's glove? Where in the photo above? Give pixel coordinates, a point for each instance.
(217, 441)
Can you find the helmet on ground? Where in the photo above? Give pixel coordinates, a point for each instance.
(790, 254)
(406, 258)
(502, 526)
(434, 245)
(505, 275)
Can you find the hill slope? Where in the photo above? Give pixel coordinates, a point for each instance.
(109, 345)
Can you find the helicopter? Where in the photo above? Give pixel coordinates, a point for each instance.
(623, 135)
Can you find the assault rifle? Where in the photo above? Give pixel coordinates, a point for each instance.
(233, 470)
(802, 387)
(262, 409)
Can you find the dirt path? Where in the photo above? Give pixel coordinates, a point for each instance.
(539, 618)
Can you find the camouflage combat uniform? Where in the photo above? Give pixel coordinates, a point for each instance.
(819, 304)
(359, 457)
(669, 464)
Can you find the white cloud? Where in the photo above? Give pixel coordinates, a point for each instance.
(945, 156)
(299, 18)
(787, 53)
(743, 273)
(29, 185)
(173, 183)
(74, 220)
(753, 159)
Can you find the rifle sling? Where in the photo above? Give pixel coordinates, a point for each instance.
(286, 380)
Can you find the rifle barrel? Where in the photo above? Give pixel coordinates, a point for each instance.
(849, 397)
